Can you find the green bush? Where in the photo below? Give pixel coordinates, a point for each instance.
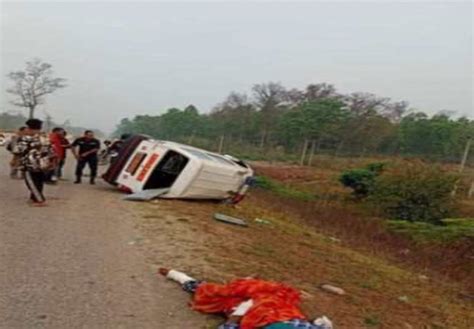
(452, 229)
(415, 192)
(361, 181)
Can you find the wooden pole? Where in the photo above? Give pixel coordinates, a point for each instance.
(470, 194)
(311, 153)
(465, 155)
(463, 163)
(221, 144)
(262, 139)
(303, 153)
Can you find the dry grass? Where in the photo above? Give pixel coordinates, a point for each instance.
(391, 280)
(379, 294)
(333, 213)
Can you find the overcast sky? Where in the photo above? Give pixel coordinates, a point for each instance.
(123, 59)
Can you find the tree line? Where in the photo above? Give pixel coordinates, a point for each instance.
(13, 121)
(317, 119)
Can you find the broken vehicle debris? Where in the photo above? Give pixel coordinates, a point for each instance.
(146, 195)
(188, 172)
(229, 220)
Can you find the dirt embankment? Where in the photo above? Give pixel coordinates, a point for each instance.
(378, 294)
(332, 213)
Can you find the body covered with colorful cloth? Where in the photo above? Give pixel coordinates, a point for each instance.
(249, 303)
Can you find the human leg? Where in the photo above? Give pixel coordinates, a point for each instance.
(14, 163)
(35, 183)
(188, 283)
(93, 163)
(59, 168)
(81, 163)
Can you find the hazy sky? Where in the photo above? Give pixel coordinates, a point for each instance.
(123, 59)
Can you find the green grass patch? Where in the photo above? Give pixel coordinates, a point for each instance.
(283, 190)
(449, 230)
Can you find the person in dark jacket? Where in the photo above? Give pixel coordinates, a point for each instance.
(86, 149)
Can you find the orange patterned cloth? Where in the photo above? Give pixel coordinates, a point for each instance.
(272, 301)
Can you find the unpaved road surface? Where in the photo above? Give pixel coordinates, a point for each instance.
(75, 264)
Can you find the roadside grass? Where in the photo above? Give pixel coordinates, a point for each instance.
(395, 277)
(451, 230)
(283, 190)
(444, 250)
(284, 248)
(379, 294)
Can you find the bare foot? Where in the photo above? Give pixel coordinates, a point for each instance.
(163, 271)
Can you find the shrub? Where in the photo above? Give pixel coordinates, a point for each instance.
(415, 192)
(361, 181)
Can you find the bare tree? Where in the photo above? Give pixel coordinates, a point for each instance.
(236, 114)
(295, 97)
(363, 104)
(320, 91)
(395, 111)
(268, 97)
(32, 84)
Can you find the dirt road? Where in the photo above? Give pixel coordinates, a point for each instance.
(74, 264)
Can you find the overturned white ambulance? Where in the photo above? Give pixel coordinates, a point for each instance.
(185, 171)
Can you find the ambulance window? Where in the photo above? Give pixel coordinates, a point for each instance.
(167, 171)
(135, 163)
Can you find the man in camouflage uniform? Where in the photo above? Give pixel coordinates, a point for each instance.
(37, 158)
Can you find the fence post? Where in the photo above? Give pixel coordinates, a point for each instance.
(221, 144)
(311, 153)
(303, 153)
(262, 138)
(463, 163)
(470, 194)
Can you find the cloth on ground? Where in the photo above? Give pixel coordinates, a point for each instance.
(272, 301)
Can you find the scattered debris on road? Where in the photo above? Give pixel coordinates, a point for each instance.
(332, 289)
(146, 195)
(230, 220)
(262, 221)
(403, 299)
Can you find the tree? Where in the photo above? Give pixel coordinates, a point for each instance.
(11, 121)
(318, 91)
(235, 117)
(268, 97)
(32, 84)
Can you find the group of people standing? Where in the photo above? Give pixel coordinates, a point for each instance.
(39, 158)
